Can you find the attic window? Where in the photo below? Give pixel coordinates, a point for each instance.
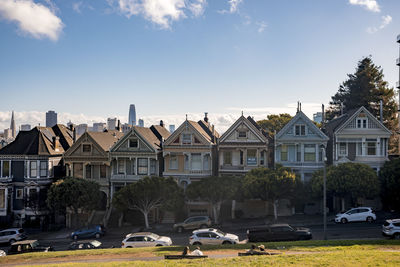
(133, 143)
(196, 141)
(186, 139)
(242, 134)
(86, 148)
(300, 130)
(362, 123)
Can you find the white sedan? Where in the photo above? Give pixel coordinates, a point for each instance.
(145, 239)
(360, 214)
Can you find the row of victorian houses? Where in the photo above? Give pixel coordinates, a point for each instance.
(195, 150)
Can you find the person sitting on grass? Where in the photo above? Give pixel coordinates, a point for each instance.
(252, 249)
(185, 251)
(262, 248)
(197, 252)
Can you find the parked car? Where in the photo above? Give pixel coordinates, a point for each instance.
(212, 237)
(391, 228)
(195, 222)
(2, 253)
(360, 214)
(28, 246)
(145, 239)
(85, 244)
(12, 235)
(278, 232)
(96, 231)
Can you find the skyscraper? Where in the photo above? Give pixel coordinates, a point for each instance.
(141, 123)
(12, 126)
(132, 115)
(111, 123)
(51, 118)
(172, 128)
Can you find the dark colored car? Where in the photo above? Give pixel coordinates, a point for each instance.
(96, 231)
(85, 244)
(28, 246)
(277, 232)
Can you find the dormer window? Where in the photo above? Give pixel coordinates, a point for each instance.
(133, 143)
(242, 134)
(300, 130)
(186, 139)
(86, 148)
(362, 123)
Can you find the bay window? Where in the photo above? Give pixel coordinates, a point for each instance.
(251, 157)
(309, 153)
(196, 161)
(142, 166)
(284, 153)
(33, 169)
(173, 162)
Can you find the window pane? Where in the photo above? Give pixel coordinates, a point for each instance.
(309, 152)
(2, 198)
(186, 139)
(173, 163)
(371, 148)
(86, 148)
(152, 166)
(133, 143)
(88, 171)
(196, 161)
(78, 170)
(227, 157)
(43, 169)
(6, 169)
(284, 153)
(242, 134)
(103, 171)
(121, 166)
(251, 157)
(206, 163)
(33, 169)
(142, 166)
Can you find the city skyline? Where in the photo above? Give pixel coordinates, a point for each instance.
(260, 57)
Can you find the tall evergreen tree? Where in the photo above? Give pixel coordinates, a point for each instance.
(366, 87)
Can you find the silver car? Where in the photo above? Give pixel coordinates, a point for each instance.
(212, 237)
(145, 239)
(391, 228)
(12, 235)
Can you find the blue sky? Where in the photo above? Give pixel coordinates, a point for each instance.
(90, 59)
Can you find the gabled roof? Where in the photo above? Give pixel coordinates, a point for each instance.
(291, 123)
(160, 131)
(149, 136)
(351, 116)
(106, 139)
(255, 129)
(39, 141)
(333, 124)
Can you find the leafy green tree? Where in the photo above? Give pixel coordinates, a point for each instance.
(271, 184)
(149, 193)
(389, 176)
(350, 179)
(214, 190)
(274, 123)
(366, 87)
(75, 194)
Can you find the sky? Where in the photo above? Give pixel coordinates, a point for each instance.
(90, 59)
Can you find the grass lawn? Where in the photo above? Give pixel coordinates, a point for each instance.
(298, 253)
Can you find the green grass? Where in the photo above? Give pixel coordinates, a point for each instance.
(307, 252)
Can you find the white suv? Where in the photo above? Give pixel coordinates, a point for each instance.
(145, 239)
(212, 237)
(360, 214)
(12, 235)
(391, 228)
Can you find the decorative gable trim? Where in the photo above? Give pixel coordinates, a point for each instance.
(369, 116)
(242, 120)
(177, 133)
(127, 136)
(84, 139)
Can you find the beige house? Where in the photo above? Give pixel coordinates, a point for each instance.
(244, 146)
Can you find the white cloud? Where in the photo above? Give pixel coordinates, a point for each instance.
(160, 12)
(386, 20)
(222, 121)
(32, 18)
(370, 5)
(77, 7)
(261, 26)
(233, 7)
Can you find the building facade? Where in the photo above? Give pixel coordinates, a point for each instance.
(51, 118)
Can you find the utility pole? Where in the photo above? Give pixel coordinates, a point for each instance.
(324, 189)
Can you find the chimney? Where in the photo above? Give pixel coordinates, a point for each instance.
(161, 123)
(381, 110)
(118, 126)
(297, 107)
(56, 142)
(205, 116)
(213, 133)
(323, 115)
(300, 105)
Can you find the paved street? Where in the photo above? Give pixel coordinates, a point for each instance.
(60, 241)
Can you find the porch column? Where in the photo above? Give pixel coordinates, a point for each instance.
(363, 147)
(37, 169)
(245, 157)
(148, 166)
(379, 146)
(316, 153)
(202, 158)
(136, 166)
(301, 154)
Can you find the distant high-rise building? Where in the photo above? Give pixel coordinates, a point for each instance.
(12, 126)
(51, 118)
(132, 115)
(7, 134)
(171, 128)
(25, 127)
(141, 123)
(126, 127)
(99, 126)
(81, 129)
(111, 123)
(317, 117)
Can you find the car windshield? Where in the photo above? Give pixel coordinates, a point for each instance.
(95, 243)
(35, 244)
(154, 236)
(220, 232)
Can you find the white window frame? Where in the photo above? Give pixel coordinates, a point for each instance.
(186, 142)
(45, 168)
(173, 162)
(300, 129)
(340, 146)
(245, 134)
(87, 145)
(133, 139)
(35, 169)
(363, 122)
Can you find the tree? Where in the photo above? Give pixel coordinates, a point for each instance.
(349, 179)
(271, 184)
(274, 122)
(389, 177)
(149, 193)
(366, 87)
(75, 194)
(214, 190)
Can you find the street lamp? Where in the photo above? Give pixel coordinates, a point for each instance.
(324, 189)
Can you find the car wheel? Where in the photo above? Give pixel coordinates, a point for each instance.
(75, 237)
(226, 243)
(196, 244)
(343, 220)
(203, 226)
(159, 245)
(12, 241)
(129, 247)
(396, 236)
(97, 235)
(179, 229)
(370, 219)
